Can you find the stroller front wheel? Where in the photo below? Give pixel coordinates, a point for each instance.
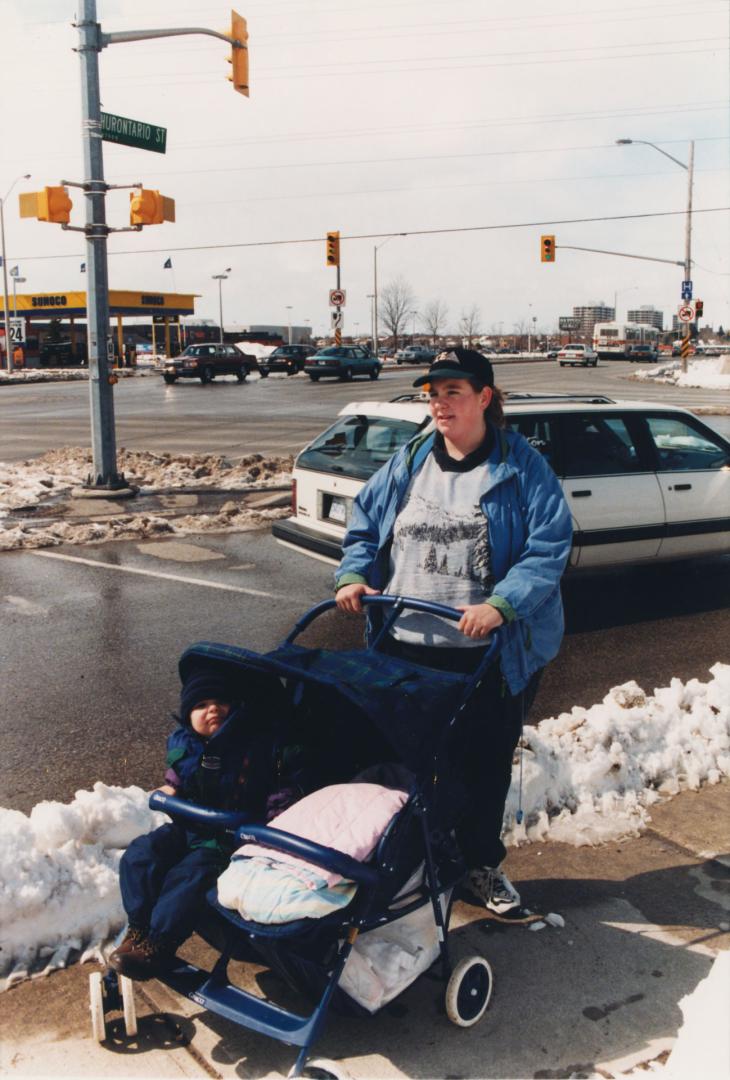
(130, 1009)
(324, 1069)
(468, 991)
(96, 1006)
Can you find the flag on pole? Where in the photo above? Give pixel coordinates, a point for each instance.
(83, 268)
(168, 264)
(14, 271)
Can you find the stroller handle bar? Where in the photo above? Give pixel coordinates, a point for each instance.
(246, 832)
(326, 857)
(193, 814)
(398, 603)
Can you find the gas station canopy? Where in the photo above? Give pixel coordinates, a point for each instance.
(121, 302)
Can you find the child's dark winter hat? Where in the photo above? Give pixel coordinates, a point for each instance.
(459, 363)
(201, 686)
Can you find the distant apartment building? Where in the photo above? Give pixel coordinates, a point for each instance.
(591, 314)
(647, 315)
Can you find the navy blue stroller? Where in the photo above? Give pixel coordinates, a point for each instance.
(361, 708)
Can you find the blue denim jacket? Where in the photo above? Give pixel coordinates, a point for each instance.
(530, 534)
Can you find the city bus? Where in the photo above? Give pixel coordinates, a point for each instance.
(616, 339)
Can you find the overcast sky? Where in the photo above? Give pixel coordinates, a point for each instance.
(389, 117)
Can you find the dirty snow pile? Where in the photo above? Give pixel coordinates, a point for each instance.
(589, 776)
(28, 484)
(710, 373)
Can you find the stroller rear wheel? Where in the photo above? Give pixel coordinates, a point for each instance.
(468, 991)
(324, 1069)
(126, 987)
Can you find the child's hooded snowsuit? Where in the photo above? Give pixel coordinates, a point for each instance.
(165, 874)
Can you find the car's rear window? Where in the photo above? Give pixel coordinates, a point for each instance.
(357, 446)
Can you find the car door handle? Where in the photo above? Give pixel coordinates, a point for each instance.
(682, 487)
(581, 494)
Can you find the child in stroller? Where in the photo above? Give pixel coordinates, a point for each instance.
(219, 757)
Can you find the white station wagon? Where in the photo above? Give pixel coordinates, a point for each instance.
(643, 481)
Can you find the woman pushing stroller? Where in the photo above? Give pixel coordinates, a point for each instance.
(469, 516)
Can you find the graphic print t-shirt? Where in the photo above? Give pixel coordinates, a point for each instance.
(441, 551)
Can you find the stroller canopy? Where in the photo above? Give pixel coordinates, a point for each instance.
(366, 698)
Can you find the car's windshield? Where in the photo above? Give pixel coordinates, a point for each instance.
(358, 445)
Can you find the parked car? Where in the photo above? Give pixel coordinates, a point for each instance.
(288, 358)
(552, 354)
(573, 354)
(646, 354)
(644, 482)
(342, 362)
(204, 362)
(415, 354)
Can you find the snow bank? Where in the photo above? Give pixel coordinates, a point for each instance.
(590, 776)
(27, 484)
(709, 373)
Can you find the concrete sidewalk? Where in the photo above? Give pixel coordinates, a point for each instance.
(643, 920)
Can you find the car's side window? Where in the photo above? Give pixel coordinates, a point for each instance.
(598, 446)
(680, 447)
(539, 432)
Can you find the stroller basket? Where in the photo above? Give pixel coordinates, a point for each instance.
(365, 708)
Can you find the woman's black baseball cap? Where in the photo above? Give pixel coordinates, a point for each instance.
(459, 363)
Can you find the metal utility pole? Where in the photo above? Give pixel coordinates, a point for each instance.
(220, 278)
(689, 169)
(6, 313)
(103, 438)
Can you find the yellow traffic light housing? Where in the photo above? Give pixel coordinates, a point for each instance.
(547, 249)
(239, 55)
(148, 207)
(333, 249)
(51, 204)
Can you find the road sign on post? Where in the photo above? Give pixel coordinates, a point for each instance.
(137, 133)
(686, 313)
(337, 319)
(337, 297)
(17, 331)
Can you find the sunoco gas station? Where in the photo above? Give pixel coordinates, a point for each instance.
(56, 328)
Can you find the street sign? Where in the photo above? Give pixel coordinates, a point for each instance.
(686, 312)
(686, 285)
(337, 297)
(17, 331)
(568, 322)
(120, 129)
(337, 319)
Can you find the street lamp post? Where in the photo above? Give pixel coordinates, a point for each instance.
(8, 361)
(288, 319)
(16, 281)
(689, 169)
(373, 335)
(413, 328)
(220, 278)
(375, 282)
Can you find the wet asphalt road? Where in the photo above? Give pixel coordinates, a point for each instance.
(277, 415)
(89, 649)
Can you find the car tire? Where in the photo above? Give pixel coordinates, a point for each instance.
(263, 372)
(347, 375)
(206, 375)
(241, 374)
(170, 379)
(562, 364)
(374, 374)
(594, 363)
(314, 378)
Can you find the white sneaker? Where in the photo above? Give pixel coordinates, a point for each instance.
(494, 889)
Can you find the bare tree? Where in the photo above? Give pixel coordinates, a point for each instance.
(435, 314)
(396, 304)
(469, 324)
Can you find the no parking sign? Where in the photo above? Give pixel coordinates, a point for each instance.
(337, 297)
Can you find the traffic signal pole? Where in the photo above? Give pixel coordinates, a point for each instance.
(105, 476)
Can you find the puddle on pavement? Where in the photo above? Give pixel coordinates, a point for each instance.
(177, 552)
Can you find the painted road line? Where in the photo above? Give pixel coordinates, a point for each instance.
(158, 574)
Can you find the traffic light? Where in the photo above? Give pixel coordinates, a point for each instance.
(148, 207)
(51, 204)
(547, 249)
(699, 308)
(239, 57)
(333, 249)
